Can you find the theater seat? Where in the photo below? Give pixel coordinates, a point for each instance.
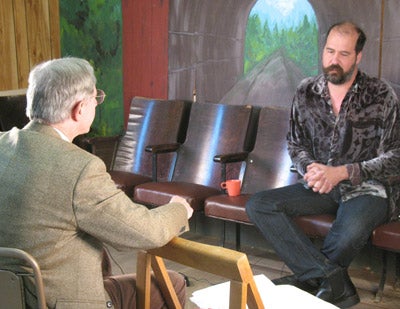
(387, 238)
(267, 166)
(214, 129)
(150, 122)
(12, 109)
(315, 226)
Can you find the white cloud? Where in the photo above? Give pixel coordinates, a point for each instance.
(285, 7)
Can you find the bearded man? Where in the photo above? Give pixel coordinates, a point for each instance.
(344, 140)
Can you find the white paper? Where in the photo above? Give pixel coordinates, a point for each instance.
(273, 296)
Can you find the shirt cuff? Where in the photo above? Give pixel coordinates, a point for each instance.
(354, 173)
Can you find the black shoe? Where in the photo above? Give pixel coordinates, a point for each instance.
(338, 289)
(311, 286)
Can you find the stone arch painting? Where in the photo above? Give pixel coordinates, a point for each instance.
(206, 40)
(207, 48)
(281, 48)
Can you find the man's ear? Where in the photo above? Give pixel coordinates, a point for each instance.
(77, 111)
(359, 56)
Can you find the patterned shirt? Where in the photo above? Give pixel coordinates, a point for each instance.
(364, 136)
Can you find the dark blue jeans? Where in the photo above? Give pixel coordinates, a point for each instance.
(271, 211)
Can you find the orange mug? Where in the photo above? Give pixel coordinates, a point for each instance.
(232, 186)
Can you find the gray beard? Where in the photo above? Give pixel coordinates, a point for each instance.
(340, 77)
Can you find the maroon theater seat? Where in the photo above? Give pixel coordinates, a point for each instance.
(387, 238)
(150, 122)
(214, 129)
(267, 166)
(315, 226)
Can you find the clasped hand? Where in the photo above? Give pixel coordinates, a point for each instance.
(323, 178)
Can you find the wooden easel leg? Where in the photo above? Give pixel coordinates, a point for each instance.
(164, 282)
(238, 295)
(143, 279)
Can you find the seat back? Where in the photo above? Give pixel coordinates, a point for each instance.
(11, 282)
(213, 129)
(151, 122)
(12, 109)
(268, 165)
(11, 290)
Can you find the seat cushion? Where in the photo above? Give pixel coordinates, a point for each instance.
(159, 193)
(315, 225)
(126, 181)
(228, 208)
(387, 236)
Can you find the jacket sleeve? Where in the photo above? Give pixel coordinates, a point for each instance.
(299, 144)
(108, 214)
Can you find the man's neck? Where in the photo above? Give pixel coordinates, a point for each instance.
(65, 129)
(338, 93)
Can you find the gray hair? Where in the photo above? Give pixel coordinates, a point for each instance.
(55, 86)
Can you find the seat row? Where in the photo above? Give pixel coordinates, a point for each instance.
(174, 147)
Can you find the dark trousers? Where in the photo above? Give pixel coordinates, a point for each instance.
(272, 211)
(122, 288)
(122, 291)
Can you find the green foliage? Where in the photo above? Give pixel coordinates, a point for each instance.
(92, 29)
(299, 43)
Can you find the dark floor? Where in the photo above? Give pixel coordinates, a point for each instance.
(364, 272)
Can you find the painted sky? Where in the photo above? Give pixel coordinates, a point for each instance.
(285, 13)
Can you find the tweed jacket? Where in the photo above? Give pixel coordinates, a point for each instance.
(58, 203)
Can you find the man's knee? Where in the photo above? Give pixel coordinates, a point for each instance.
(122, 290)
(252, 206)
(261, 202)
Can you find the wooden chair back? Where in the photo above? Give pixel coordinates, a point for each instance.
(224, 262)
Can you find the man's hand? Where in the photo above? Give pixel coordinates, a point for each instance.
(181, 200)
(323, 178)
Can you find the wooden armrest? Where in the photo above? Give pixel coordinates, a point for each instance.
(224, 262)
(162, 148)
(231, 157)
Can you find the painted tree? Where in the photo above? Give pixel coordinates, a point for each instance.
(93, 30)
(299, 43)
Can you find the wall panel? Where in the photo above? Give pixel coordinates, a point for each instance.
(29, 34)
(145, 49)
(8, 64)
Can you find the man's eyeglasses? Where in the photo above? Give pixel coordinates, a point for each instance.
(100, 96)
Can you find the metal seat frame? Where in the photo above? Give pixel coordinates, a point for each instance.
(30, 261)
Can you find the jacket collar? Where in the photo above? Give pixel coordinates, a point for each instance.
(41, 128)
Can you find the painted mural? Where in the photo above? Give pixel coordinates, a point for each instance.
(92, 30)
(287, 25)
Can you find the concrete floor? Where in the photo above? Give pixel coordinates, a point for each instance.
(365, 271)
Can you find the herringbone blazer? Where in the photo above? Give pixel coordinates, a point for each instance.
(58, 203)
